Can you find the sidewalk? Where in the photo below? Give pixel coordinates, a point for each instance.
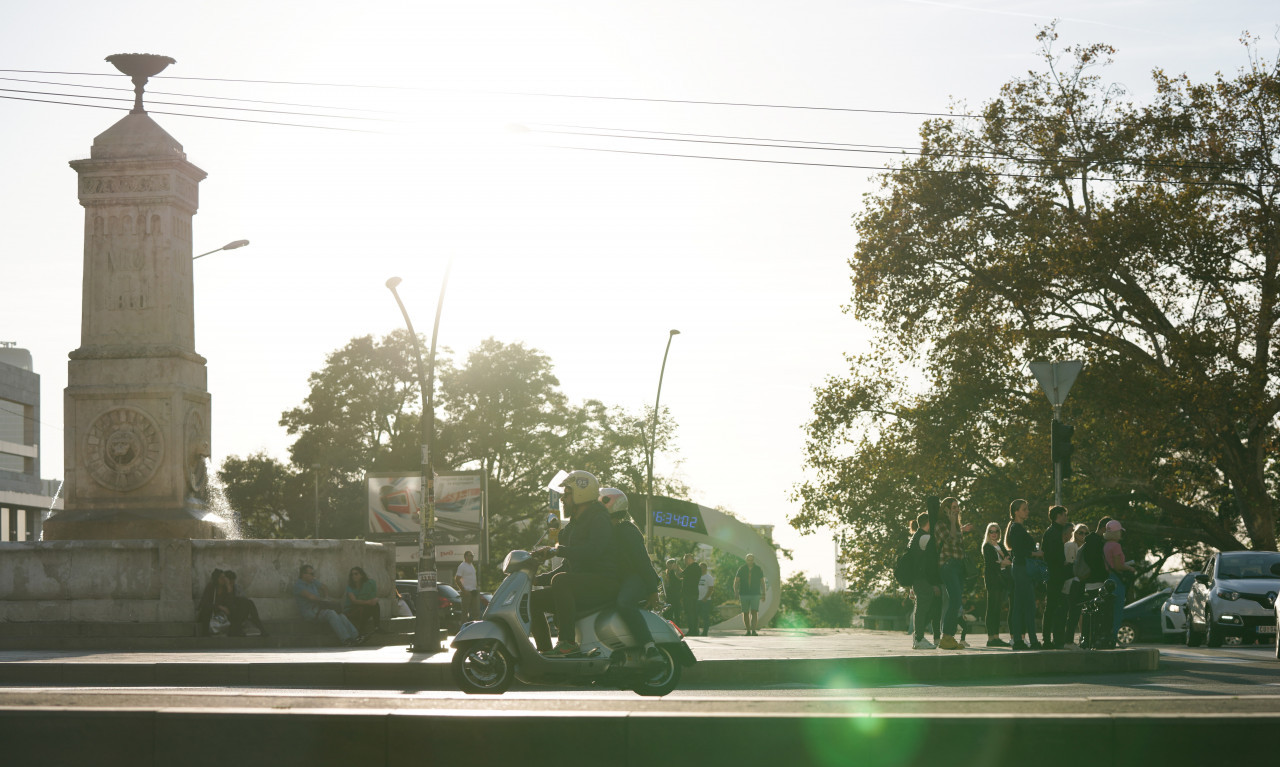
(846, 657)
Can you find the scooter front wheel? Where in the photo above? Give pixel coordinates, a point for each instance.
(483, 668)
(661, 679)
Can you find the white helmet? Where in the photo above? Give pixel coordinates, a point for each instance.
(614, 500)
(581, 487)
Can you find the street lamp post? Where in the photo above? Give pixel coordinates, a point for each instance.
(229, 246)
(653, 438)
(427, 626)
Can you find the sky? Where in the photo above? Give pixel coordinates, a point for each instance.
(460, 132)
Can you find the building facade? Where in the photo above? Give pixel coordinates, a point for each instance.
(25, 498)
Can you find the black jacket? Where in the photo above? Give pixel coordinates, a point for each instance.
(587, 543)
(1055, 555)
(689, 581)
(927, 560)
(1018, 541)
(1092, 553)
(633, 558)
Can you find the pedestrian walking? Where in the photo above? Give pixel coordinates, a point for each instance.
(996, 576)
(1022, 617)
(1052, 546)
(750, 586)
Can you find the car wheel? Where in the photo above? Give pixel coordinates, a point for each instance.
(482, 668)
(1194, 638)
(1127, 635)
(1211, 638)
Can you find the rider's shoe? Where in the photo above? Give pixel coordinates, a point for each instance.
(562, 649)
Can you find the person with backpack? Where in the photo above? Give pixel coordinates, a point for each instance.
(995, 575)
(1091, 569)
(926, 582)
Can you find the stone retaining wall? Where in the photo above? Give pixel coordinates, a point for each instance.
(150, 581)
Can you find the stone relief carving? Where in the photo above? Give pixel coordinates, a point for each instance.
(123, 448)
(197, 453)
(125, 185)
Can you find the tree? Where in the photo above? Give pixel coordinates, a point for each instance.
(1067, 223)
(267, 495)
(794, 602)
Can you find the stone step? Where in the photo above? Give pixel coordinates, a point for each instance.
(182, 636)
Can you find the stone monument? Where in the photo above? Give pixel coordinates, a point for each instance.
(137, 403)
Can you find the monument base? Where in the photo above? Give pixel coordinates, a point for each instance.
(122, 526)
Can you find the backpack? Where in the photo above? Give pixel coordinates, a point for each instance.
(905, 569)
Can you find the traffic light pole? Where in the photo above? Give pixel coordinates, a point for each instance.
(1057, 466)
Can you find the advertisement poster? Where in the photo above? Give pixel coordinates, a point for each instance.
(393, 503)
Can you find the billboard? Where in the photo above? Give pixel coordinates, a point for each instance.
(394, 508)
(394, 503)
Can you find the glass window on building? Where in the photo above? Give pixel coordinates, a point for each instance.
(12, 429)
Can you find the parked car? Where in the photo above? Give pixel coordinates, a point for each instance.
(1235, 596)
(450, 602)
(1173, 615)
(1140, 621)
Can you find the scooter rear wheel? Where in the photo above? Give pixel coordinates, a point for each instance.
(660, 681)
(482, 668)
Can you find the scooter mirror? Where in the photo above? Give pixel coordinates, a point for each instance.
(553, 521)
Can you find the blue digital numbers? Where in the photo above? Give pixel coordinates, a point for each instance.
(691, 522)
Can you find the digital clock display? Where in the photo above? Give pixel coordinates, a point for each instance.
(680, 521)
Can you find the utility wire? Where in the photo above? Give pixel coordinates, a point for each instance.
(883, 169)
(831, 146)
(193, 95)
(194, 106)
(201, 117)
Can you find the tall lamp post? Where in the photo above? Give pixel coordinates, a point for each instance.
(653, 438)
(427, 626)
(229, 246)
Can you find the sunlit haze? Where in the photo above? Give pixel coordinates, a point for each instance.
(589, 256)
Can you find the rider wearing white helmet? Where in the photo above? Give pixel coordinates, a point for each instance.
(588, 576)
(639, 581)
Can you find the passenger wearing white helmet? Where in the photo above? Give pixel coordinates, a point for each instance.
(639, 581)
(588, 577)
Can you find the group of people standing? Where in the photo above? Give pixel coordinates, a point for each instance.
(1073, 563)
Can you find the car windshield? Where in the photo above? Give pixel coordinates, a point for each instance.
(1160, 596)
(1184, 587)
(1239, 565)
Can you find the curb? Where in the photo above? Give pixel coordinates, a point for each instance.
(435, 675)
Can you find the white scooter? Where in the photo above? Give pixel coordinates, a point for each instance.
(492, 652)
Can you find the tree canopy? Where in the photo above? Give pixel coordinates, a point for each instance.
(500, 411)
(1064, 222)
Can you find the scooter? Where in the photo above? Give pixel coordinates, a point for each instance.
(489, 654)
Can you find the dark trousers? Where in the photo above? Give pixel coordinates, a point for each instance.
(1055, 611)
(691, 614)
(927, 608)
(632, 592)
(243, 610)
(569, 593)
(363, 617)
(704, 614)
(470, 605)
(997, 596)
(1075, 603)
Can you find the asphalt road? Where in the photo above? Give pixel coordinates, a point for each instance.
(1250, 677)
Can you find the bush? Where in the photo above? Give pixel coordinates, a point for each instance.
(889, 604)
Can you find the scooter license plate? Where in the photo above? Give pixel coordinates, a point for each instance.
(1266, 629)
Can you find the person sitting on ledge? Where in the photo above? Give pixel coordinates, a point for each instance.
(360, 602)
(314, 604)
(232, 602)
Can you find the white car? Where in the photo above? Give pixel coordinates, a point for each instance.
(1235, 596)
(1173, 615)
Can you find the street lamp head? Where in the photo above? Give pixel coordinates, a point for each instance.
(675, 332)
(235, 244)
(393, 283)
